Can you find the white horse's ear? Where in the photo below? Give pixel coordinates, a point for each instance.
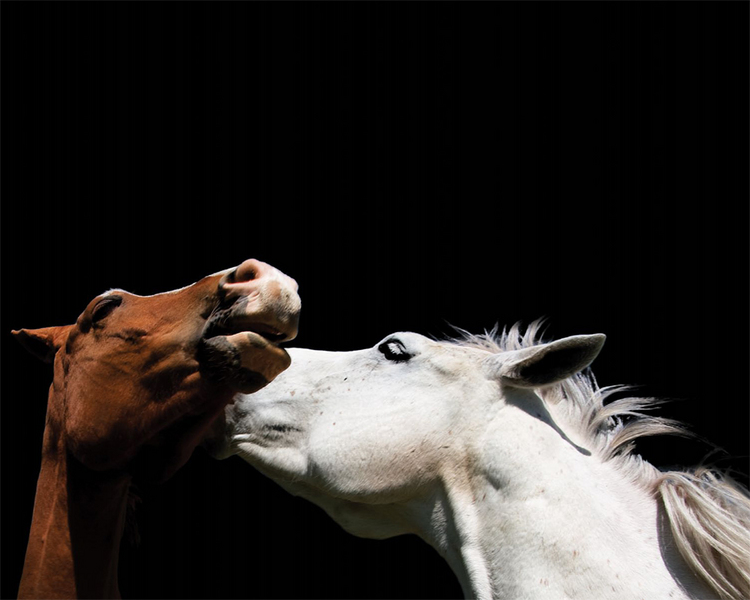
(547, 363)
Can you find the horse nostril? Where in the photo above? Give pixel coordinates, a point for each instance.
(248, 271)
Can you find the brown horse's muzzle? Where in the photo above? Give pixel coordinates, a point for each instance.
(259, 308)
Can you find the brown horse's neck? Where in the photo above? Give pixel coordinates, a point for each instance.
(79, 517)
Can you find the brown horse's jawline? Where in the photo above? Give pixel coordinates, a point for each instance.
(159, 459)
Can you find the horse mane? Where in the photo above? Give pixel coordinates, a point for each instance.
(708, 512)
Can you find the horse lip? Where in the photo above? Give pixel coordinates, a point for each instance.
(270, 333)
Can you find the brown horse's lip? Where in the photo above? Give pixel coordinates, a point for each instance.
(270, 333)
(264, 330)
(243, 357)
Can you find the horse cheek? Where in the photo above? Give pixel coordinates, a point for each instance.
(98, 448)
(96, 425)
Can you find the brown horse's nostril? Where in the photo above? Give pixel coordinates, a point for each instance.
(248, 270)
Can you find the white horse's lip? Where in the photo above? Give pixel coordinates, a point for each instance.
(273, 428)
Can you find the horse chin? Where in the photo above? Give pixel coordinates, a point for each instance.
(244, 361)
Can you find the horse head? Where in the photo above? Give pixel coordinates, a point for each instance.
(352, 431)
(500, 453)
(137, 379)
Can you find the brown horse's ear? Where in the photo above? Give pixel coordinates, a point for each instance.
(43, 343)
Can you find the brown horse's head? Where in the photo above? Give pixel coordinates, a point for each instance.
(138, 380)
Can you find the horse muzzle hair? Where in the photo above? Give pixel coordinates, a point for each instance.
(259, 309)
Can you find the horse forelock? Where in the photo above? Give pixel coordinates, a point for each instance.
(709, 513)
(112, 291)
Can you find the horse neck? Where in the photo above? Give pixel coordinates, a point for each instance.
(76, 528)
(565, 524)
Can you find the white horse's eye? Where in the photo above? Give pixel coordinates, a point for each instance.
(394, 350)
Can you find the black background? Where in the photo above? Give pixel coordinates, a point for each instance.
(412, 166)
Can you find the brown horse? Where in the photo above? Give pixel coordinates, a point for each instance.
(137, 382)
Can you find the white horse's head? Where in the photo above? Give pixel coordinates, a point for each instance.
(358, 431)
(498, 453)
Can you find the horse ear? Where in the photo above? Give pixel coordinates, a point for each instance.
(548, 363)
(43, 343)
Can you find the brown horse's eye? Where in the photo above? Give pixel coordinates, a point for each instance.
(104, 307)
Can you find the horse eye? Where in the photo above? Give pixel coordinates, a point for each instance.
(394, 350)
(105, 307)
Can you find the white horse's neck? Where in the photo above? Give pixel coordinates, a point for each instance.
(574, 527)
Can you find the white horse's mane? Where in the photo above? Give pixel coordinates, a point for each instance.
(708, 512)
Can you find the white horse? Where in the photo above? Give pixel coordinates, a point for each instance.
(499, 452)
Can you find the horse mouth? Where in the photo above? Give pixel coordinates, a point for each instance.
(272, 334)
(269, 333)
(229, 327)
(243, 351)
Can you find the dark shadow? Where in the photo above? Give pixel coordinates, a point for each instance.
(534, 406)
